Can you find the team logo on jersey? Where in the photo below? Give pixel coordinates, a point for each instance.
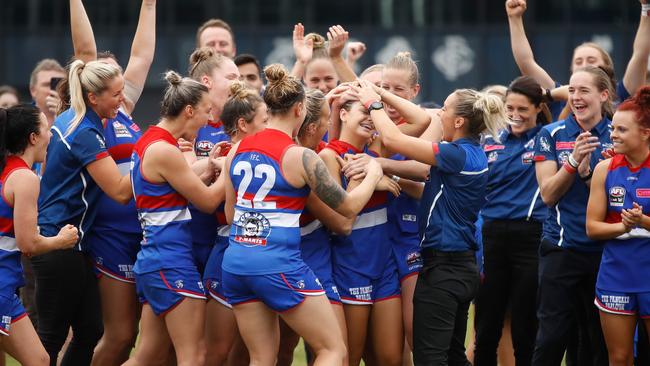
(564, 156)
(643, 192)
(203, 148)
(179, 284)
(492, 157)
(528, 157)
(100, 139)
(616, 196)
(252, 229)
(544, 145)
(300, 284)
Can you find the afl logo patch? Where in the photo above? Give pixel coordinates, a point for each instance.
(203, 148)
(616, 196)
(527, 157)
(252, 229)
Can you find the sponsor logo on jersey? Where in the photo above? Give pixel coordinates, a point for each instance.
(121, 130)
(252, 229)
(616, 196)
(565, 145)
(493, 147)
(409, 217)
(643, 192)
(528, 157)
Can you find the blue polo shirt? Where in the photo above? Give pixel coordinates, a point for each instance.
(68, 194)
(513, 193)
(453, 196)
(565, 222)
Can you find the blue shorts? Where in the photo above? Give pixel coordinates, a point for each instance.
(114, 254)
(278, 291)
(358, 289)
(11, 311)
(406, 249)
(623, 303)
(165, 289)
(212, 277)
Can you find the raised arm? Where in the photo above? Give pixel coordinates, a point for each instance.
(635, 73)
(417, 119)
(521, 50)
(83, 39)
(391, 136)
(337, 37)
(142, 52)
(22, 188)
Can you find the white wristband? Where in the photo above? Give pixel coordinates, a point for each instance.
(572, 161)
(645, 10)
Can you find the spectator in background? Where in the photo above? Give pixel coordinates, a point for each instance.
(250, 71)
(217, 34)
(41, 86)
(8, 96)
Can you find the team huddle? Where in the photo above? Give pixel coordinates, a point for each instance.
(327, 206)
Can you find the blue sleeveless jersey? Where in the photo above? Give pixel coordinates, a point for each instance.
(204, 228)
(11, 271)
(265, 231)
(367, 249)
(121, 134)
(625, 264)
(453, 196)
(315, 246)
(163, 214)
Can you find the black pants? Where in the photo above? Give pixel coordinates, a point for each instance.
(510, 256)
(67, 296)
(447, 284)
(27, 292)
(567, 281)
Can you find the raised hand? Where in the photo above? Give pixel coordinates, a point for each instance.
(515, 8)
(355, 51)
(303, 48)
(336, 36)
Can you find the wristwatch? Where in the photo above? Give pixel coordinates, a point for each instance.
(375, 106)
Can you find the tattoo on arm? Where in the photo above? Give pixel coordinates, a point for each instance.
(320, 180)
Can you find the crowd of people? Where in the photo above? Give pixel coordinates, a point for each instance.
(268, 205)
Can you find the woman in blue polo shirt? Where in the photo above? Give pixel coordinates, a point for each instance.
(454, 194)
(565, 154)
(513, 216)
(619, 205)
(79, 168)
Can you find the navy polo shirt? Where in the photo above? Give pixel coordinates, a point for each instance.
(453, 196)
(513, 193)
(565, 222)
(68, 194)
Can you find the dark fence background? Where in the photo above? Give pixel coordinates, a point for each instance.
(457, 43)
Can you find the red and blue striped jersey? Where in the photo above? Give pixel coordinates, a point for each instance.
(11, 271)
(265, 231)
(625, 264)
(368, 248)
(163, 214)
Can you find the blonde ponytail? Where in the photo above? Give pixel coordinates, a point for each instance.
(482, 111)
(92, 77)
